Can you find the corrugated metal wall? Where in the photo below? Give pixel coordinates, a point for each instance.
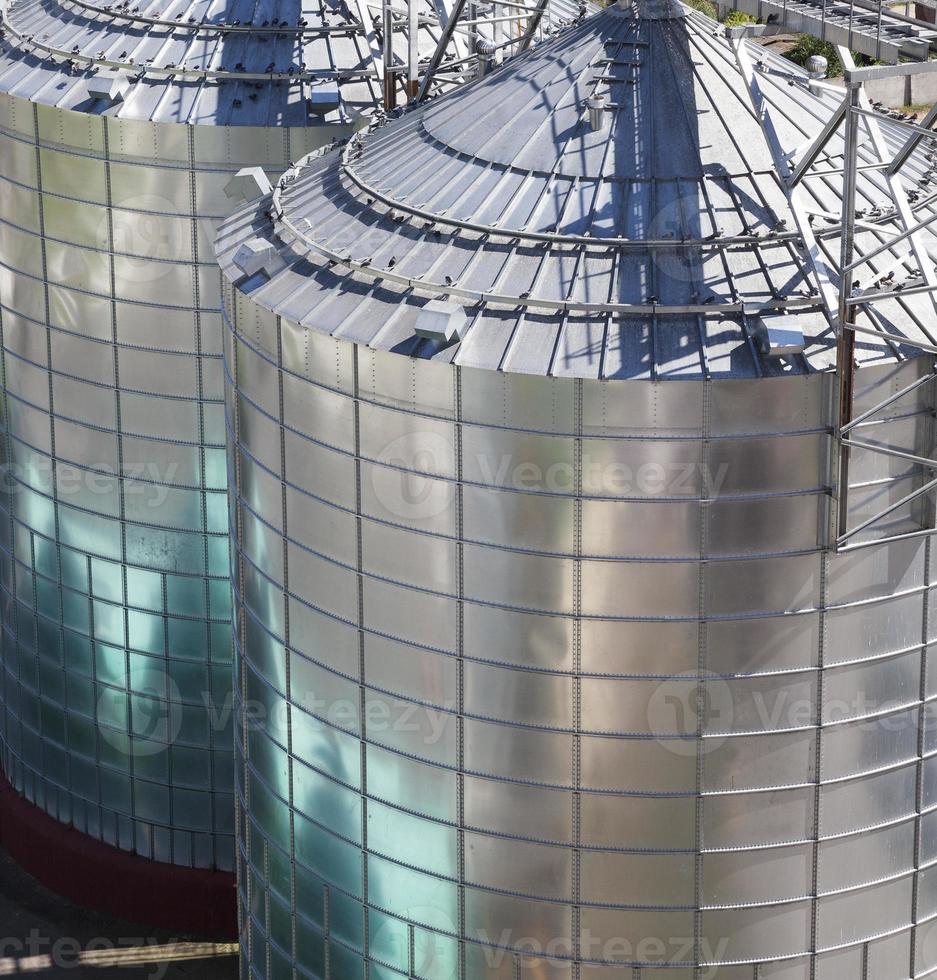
(474, 611)
(114, 567)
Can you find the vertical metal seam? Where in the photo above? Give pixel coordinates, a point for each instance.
(240, 632)
(702, 661)
(460, 661)
(362, 690)
(921, 749)
(327, 927)
(47, 310)
(203, 480)
(6, 761)
(577, 686)
(287, 642)
(825, 556)
(268, 946)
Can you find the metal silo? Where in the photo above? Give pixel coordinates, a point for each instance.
(548, 662)
(121, 127)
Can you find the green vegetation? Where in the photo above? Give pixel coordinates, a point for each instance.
(735, 18)
(709, 9)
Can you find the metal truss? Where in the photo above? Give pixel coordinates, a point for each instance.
(856, 294)
(473, 32)
(851, 286)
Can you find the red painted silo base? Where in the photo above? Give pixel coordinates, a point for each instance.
(104, 878)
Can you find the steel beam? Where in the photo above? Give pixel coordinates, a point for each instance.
(896, 190)
(890, 509)
(846, 342)
(810, 156)
(436, 59)
(905, 152)
(799, 206)
(535, 20)
(891, 243)
(890, 400)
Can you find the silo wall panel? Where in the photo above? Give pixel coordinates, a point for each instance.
(116, 687)
(541, 676)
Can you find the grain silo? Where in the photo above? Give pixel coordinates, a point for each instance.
(547, 668)
(121, 128)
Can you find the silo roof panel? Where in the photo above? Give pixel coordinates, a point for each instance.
(644, 248)
(289, 45)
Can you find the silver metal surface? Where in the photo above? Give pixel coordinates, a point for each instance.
(611, 253)
(654, 726)
(228, 64)
(121, 129)
(550, 676)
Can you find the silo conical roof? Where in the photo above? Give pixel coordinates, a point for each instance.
(200, 61)
(653, 244)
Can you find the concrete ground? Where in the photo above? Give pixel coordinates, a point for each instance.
(44, 936)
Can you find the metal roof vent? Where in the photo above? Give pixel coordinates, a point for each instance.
(817, 66)
(780, 334)
(248, 184)
(442, 322)
(257, 255)
(324, 98)
(485, 52)
(596, 105)
(110, 86)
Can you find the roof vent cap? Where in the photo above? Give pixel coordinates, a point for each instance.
(442, 322)
(112, 86)
(485, 52)
(257, 255)
(596, 105)
(324, 98)
(817, 66)
(248, 184)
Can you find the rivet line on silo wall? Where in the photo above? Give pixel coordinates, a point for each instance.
(921, 749)
(6, 761)
(240, 631)
(362, 689)
(460, 664)
(47, 314)
(327, 925)
(287, 648)
(577, 690)
(702, 662)
(121, 496)
(202, 475)
(822, 643)
(267, 928)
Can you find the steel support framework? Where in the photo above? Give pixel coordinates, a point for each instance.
(464, 18)
(394, 51)
(841, 292)
(853, 297)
